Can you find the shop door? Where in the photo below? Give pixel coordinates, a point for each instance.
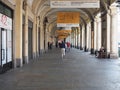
(3, 47)
(6, 46)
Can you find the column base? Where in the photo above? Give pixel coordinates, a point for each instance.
(86, 49)
(81, 48)
(25, 60)
(34, 55)
(113, 56)
(19, 62)
(78, 47)
(92, 51)
(38, 54)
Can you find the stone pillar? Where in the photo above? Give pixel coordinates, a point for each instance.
(42, 38)
(83, 37)
(26, 34)
(99, 31)
(88, 38)
(92, 42)
(113, 33)
(79, 37)
(46, 38)
(108, 31)
(74, 38)
(95, 34)
(18, 60)
(69, 38)
(92, 37)
(44, 35)
(37, 36)
(34, 37)
(81, 48)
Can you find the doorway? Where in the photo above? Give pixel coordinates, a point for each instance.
(6, 48)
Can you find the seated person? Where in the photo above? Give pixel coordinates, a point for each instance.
(102, 49)
(101, 53)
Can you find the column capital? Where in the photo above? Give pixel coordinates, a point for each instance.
(113, 10)
(98, 18)
(108, 12)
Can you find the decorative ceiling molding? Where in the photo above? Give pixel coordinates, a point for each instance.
(42, 8)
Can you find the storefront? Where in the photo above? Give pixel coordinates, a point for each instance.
(5, 38)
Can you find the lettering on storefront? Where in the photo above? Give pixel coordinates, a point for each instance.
(5, 22)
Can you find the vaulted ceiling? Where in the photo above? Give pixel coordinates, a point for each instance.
(42, 9)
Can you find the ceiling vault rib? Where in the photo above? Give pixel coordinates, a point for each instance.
(42, 8)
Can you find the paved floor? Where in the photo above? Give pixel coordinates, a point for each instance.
(77, 71)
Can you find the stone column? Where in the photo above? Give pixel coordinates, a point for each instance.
(74, 38)
(18, 60)
(34, 38)
(42, 38)
(46, 38)
(89, 34)
(92, 37)
(26, 34)
(79, 37)
(108, 31)
(83, 37)
(95, 34)
(99, 31)
(69, 40)
(37, 36)
(113, 33)
(88, 38)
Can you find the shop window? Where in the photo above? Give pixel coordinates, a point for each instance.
(5, 10)
(8, 12)
(1, 8)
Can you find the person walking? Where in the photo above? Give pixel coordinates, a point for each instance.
(68, 46)
(62, 46)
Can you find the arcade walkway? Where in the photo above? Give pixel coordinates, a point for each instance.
(77, 71)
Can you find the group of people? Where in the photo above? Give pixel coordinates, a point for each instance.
(65, 47)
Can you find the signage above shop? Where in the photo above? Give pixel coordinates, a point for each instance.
(75, 3)
(68, 19)
(5, 22)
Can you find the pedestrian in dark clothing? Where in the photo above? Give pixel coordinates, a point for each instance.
(62, 46)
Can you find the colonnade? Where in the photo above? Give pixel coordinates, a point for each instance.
(90, 36)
